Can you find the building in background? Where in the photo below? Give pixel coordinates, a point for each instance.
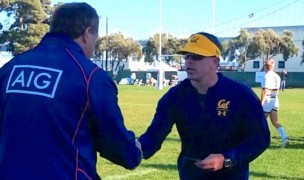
(292, 64)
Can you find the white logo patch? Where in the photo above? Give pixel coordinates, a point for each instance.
(36, 80)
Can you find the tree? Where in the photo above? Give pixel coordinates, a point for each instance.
(120, 49)
(238, 47)
(4, 4)
(264, 44)
(151, 51)
(228, 51)
(27, 28)
(169, 45)
(174, 44)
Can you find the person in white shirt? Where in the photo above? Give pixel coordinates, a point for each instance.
(269, 98)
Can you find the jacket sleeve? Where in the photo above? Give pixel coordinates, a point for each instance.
(160, 127)
(254, 131)
(112, 140)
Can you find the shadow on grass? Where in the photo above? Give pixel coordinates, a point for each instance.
(294, 143)
(160, 166)
(172, 139)
(266, 175)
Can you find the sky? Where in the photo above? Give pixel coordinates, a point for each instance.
(140, 19)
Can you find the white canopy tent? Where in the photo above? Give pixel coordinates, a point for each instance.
(162, 66)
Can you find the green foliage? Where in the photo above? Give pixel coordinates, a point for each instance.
(174, 44)
(28, 28)
(274, 163)
(4, 4)
(263, 44)
(152, 48)
(239, 48)
(46, 6)
(150, 52)
(28, 39)
(118, 47)
(227, 50)
(169, 45)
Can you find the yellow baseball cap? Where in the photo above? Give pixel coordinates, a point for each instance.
(203, 44)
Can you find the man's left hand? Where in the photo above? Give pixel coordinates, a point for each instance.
(213, 162)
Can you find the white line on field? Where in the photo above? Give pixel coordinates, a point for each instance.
(137, 173)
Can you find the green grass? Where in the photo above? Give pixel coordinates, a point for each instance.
(138, 105)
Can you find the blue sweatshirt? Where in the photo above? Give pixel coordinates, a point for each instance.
(57, 110)
(228, 121)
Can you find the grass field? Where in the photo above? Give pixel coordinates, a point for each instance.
(138, 105)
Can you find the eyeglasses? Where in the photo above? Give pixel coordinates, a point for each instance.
(195, 57)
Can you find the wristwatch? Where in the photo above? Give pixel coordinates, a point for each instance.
(228, 163)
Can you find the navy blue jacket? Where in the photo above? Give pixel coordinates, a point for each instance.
(230, 121)
(57, 110)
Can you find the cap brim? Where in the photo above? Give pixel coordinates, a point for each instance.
(194, 50)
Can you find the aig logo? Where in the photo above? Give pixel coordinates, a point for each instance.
(36, 80)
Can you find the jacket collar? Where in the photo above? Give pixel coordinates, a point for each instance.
(61, 39)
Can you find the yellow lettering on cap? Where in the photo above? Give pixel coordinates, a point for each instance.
(194, 39)
(217, 52)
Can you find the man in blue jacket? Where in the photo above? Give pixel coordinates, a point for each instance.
(57, 108)
(220, 121)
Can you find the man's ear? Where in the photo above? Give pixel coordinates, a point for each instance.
(216, 63)
(86, 34)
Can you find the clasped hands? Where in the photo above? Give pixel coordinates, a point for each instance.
(213, 162)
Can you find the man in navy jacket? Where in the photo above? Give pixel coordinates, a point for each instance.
(220, 121)
(57, 108)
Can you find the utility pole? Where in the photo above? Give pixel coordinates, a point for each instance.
(160, 76)
(106, 68)
(213, 16)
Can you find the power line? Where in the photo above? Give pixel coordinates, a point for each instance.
(254, 12)
(246, 17)
(262, 17)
